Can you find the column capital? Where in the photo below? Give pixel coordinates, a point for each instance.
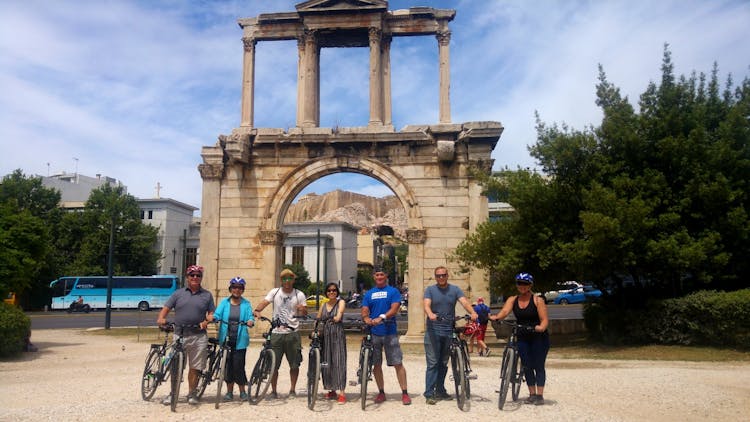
(211, 171)
(249, 43)
(375, 34)
(416, 235)
(443, 37)
(272, 237)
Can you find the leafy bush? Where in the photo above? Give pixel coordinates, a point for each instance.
(15, 327)
(705, 318)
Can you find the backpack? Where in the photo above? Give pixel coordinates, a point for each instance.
(484, 313)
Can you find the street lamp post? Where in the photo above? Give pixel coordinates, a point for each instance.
(108, 313)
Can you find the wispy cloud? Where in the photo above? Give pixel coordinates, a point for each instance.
(133, 89)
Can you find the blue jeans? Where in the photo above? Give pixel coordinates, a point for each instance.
(533, 351)
(436, 351)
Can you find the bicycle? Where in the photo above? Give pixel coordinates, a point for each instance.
(216, 366)
(314, 366)
(260, 378)
(156, 370)
(511, 370)
(365, 365)
(460, 364)
(170, 361)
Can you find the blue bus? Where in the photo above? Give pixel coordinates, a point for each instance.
(142, 292)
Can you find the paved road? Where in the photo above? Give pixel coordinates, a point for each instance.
(61, 319)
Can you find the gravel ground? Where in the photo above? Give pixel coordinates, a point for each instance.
(79, 376)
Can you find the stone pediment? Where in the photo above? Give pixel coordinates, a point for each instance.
(316, 6)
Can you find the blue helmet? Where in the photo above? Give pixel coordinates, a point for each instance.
(525, 278)
(237, 281)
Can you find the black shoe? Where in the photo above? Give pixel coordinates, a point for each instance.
(531, 400)
(539, 400)
(443, 396)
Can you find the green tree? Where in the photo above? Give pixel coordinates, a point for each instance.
(88, 235)
(29, 215)
(656, 197)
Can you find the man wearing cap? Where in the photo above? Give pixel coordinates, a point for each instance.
(440, 307)
(288, 303)
(384, 303)
(193, 310)
(483, 313)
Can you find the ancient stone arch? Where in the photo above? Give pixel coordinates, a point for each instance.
(251, 176)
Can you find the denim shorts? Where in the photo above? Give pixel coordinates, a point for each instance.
(393, 354)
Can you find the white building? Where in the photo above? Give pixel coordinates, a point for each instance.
(178, 236)
(337, 252)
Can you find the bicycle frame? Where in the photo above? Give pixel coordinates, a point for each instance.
(264, 367)
(314, 366)
(154, 372)
(511, 369)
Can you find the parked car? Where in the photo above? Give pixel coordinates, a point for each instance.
(578, 295)
(561, 287)
(311, 303)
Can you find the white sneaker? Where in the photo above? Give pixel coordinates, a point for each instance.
(167, 400)
(193, 400)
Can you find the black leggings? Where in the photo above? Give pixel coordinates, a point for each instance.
(533, 351)
(236, 367)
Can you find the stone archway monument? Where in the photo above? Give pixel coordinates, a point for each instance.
(251, 176)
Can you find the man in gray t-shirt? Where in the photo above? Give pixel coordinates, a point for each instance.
(440, 308)
(194, 309)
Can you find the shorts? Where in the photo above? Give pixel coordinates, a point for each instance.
(481, 329)
(196, 350)
(289, 344)
(393, 354)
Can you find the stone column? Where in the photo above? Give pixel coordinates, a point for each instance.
(248, 82)
(444, 38)
(212, 174)
(376, 79)
(386, 62)
(300, 80)
(311, 92)
(415, 330)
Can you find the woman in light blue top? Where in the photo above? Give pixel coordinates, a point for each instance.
(236, 313)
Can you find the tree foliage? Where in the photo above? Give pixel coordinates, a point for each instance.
(656, 197)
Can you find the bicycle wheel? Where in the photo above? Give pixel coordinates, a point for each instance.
(221, 373)
(467, 369)
(313, 377)
(364, 366)
(517, 379)
(175, 370)
(459, 378)
(506, 374)
(211, 372)
(150, 378)
(261, 376)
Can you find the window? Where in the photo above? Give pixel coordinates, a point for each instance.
(150, 214)
(191, 256)
(298, 255)
(143, 214)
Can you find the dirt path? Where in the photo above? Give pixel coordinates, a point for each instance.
(80, 376)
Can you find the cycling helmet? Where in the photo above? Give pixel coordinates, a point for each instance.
(194, 269)
(237, 281)
(525, 278)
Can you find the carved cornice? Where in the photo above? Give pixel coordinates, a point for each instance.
(211, 171)
(443, 37)
(237, 147)
(416, 235)
(271, 237)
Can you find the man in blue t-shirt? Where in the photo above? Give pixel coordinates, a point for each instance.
(440, 307)
(384, 302)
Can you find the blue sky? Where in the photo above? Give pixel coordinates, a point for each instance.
(133, 89)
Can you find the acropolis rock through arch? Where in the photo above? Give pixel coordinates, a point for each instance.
(251, 176)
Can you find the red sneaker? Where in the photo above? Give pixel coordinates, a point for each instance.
(380, 398)
(342, 399)
(331, 395)
(405, 399)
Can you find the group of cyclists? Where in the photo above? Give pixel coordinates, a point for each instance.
(194, 309)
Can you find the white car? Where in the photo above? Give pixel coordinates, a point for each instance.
(561, 287)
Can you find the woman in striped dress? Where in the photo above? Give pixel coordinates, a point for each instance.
(334, 344)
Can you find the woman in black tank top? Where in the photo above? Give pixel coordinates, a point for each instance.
(530, 310)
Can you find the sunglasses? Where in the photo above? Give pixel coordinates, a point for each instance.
(237, 287)
(195, 275)
(332, 291)
(523, 284)
(287, 278)
(441, 275)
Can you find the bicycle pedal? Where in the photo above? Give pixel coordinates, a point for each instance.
(472, 376)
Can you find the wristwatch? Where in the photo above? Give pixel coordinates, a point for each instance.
(382, 316)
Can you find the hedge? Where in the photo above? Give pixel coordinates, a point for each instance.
(15, 327)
